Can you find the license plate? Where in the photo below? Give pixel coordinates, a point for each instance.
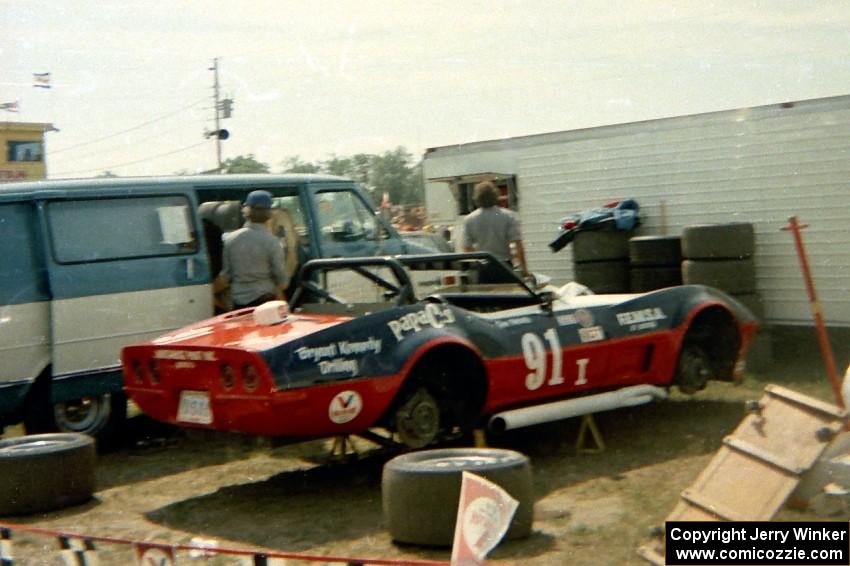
(195, 407)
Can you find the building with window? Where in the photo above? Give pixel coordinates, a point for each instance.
(22, 151)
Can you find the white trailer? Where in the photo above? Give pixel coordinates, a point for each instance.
(759, 165)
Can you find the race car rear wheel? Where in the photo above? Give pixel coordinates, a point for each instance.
(418, 419)
(694, 369)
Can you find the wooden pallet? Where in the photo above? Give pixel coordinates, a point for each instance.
(759, 464)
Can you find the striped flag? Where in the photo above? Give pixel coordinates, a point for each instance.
(10, 106)
(41, 80)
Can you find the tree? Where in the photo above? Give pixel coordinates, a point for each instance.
(295, 165)
(244, 164)
(393, 172)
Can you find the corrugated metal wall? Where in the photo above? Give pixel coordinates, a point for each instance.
(760, 165)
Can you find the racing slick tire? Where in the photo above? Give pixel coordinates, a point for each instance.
(45, 471)
(421, 491)
(736, 277)
(734, 240)
(643, 279)
(601, 245)
(604, 276)
(655, 251)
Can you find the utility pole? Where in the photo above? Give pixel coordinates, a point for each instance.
(216, 107)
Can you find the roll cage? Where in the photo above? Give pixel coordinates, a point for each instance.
(393, 275)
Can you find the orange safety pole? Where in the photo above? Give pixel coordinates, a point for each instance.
(825, 348)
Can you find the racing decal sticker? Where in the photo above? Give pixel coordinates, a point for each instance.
(584, 317)
(641, 320)
(345, 406)
(186, 355)
(432, 316)
(566, 319)
(508, 322)
(332, 358)
(591, 334)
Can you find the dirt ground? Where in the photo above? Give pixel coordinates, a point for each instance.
(591, 509)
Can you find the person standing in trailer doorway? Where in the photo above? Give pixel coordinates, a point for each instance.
(493, 229)
(253, 260)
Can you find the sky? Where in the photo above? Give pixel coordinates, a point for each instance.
(132, 86)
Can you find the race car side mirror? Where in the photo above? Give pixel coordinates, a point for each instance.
(546, 299)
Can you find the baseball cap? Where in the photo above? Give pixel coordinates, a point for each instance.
(259, 199)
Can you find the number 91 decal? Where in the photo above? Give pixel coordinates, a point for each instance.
(534, 352)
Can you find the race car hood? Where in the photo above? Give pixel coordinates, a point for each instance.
(240, 330)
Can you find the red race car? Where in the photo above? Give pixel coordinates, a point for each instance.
(506, 355)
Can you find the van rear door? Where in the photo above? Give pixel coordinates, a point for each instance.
(121, 270)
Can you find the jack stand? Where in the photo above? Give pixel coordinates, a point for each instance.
(587, 423)
(343, 447)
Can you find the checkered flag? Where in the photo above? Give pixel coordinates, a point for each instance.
(6, 558)
(78, 552)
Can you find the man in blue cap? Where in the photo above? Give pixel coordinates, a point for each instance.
(253, 262)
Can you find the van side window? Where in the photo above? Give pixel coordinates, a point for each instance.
(109, 229)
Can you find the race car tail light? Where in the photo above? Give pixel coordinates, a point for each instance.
(228, 376)
(250, 377)
(138, 373)
(153, 371)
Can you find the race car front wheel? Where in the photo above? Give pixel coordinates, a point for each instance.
(418, 419)
(694, 369)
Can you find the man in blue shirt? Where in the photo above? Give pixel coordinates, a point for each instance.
(253, 260)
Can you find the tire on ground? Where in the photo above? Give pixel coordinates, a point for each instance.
(754, 304)
(600, 246)
(734, 240)
(655, 251)
(45, 471)
(736, 277)
(643, 279)
(421, 491)
(604, 276)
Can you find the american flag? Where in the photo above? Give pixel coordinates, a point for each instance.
(41, 80)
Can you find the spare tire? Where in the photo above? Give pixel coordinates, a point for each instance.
(655, 251)
(45, 471)
(421, 491)
(643, 279)
(604, 276)
(736, 277)
(734, 240)
(600, 246)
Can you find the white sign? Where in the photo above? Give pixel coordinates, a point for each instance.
(345, 406)
(484, 514)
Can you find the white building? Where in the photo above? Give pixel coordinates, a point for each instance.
(760, 165)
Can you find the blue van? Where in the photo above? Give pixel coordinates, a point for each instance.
(92, 265)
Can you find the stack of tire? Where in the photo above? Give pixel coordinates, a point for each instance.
(655, 262)
(601, 260)
(721, 256)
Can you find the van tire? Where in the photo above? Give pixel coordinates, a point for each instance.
(421, 491)
(45, 472)
(655, 251)
(104, 419)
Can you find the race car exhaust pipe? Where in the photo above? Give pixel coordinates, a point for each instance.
(626, 397)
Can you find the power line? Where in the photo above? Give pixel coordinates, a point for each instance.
(142, 125)
(115, 165)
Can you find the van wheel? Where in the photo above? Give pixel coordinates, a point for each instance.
(100, 416)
